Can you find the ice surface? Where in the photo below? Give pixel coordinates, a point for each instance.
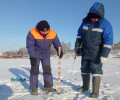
(70, 80)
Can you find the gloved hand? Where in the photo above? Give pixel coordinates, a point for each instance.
(103, 59)
(78, 51)
(61, 54)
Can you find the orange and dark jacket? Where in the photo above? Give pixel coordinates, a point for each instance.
(39, 46)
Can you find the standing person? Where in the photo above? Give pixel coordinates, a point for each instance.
(95, 39)
(39, 41)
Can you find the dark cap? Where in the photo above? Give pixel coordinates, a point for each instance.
(43, 26)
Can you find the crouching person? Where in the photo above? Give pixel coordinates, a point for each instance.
(39, 41)
(95, 36)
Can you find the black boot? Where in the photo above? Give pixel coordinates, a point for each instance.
(96, 84)
(49, 89)
(35, 91)
(86, 81)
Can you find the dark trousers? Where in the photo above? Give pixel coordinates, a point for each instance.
(47, 75)
(93, 67)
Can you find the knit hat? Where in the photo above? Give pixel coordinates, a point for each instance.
(43, 26)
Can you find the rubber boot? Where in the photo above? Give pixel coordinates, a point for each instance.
(35, 91)
(86, 82)
(96, 85)
(49, 89)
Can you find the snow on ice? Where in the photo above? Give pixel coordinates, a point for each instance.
(70, 80)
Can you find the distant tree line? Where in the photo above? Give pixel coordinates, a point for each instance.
(116, 44)
(116, 48)
(21, 52)
(66, 47)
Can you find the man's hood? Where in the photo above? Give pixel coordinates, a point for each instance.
(97, 8)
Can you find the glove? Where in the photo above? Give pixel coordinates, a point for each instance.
(78, 51)
(103, 59)
(61, 54)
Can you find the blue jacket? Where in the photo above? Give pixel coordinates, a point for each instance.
(96, 39)
(39, 46)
